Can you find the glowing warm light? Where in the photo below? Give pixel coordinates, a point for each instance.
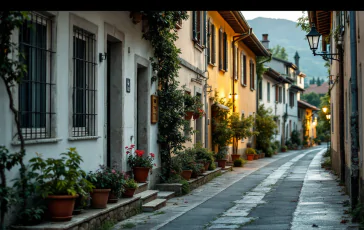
(328, 116)
(324, 109)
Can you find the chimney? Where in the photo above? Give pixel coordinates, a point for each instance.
(296, 60)
(265, 41)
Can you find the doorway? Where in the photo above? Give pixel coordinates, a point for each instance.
(114, 131)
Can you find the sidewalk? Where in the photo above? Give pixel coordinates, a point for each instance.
(322, 201)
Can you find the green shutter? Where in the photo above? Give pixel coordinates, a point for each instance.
(194, 25)
(205, 29)
(244, 64)
(213, 45)
(225, 52)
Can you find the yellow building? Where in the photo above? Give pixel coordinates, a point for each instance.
(307, 117)
(232, 49)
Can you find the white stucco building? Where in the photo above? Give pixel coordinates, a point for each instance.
(88, 86)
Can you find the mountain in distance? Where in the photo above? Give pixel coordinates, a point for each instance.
(285, 33)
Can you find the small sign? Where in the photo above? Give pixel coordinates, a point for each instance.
(154, 110)
(128, 85)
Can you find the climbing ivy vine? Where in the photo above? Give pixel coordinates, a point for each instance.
(172, 126)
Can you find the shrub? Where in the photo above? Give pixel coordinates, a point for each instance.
(185, 187)
(284, 147)
(203, 154)
(269, 152)
(250, 151)
(295, 137)
(239, 162)
(131, 183)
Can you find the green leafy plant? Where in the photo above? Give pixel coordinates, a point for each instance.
(269, 152)
(59, 176)
(239, 162)
(284, 147)
(241, 127)
(295, 137)
(266, 127)
(172, 125)
(250, 151)
(138, 159)
(203, 154)
(185, 187)
(131, 183)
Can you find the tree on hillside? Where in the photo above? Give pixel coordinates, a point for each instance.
(279, 52)
(312, 98)
(319, 81)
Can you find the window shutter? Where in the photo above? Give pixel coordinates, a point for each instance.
(205, 28)
(242, 69)
(253, 75)
(213, 45)
(225, 52)
(244, 64)
(235, 67)
(208, 44)
(220, 49)
(194, 25)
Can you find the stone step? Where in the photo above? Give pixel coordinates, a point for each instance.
(148, 195)
(142, 187)
(154, 205)
(165, 195)
(226, 169)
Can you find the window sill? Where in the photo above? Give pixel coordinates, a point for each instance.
(38, 141)
(84, 138)
(252, 89)
(198, 46)
(244, 85)
(213, 65)
(222, 70)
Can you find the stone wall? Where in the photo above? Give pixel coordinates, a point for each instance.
(93, 219)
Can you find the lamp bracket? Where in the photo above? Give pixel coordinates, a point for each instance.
(327, 56)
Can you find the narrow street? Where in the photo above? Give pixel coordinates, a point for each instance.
(288, 191)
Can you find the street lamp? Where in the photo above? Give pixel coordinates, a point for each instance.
(328, 116)
(313, 38)
(324, 109)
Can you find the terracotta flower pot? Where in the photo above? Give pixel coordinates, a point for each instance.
(112, 198)
(186, 174)
(221, 163)
(100, 197)
(60, 207)
(141, 174)
(196, 116)
(188, 115)
(235, 157)
(207, 165)
(250, 157)
(283, 150)
(256, 156)
(129, 192)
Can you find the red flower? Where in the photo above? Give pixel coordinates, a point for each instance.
(113, 171)
(139, 152)
(132, 146)
(152, 154)
(155, 164)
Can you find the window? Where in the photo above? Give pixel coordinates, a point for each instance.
(280, 94)
(276, 91)
(260, 89)
(299, 114)
(284, 96)
(199, 28)
(268, 91)
(243, 69)
(84, 83)
(35, 90)
(252, 76)
(291, 99)
(223, 51)
(211, 52)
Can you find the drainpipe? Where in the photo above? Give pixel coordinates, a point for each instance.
(354, 115)
(341, 115)
(237, 38)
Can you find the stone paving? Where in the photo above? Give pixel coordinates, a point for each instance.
(251, 198)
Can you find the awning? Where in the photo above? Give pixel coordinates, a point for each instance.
(221, 106)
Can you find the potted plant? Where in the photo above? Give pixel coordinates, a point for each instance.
(140, 163)
(117, 181)
(284, 148)
(196, 169)
(221, 157)
(189, 105)
(129, 187)
(82, 201)
(204, 155)
(241, 128)
(57, 182)
(102, 181)
(198, 110)
(187, 160)
(250, 152)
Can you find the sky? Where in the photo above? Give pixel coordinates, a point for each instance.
(289, 15)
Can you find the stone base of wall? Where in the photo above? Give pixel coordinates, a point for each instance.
(154, 178)
(347, 180)
(93, 219)
(194, 183)
(335, 159)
